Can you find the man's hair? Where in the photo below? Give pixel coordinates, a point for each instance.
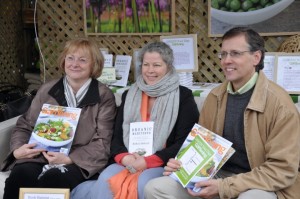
(254, 40)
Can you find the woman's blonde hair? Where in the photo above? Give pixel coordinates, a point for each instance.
(86, 45)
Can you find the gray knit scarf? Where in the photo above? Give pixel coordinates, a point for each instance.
(164, 111)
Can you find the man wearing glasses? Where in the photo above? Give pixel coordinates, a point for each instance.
(261, 121)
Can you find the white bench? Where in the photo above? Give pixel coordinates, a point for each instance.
(5, 131)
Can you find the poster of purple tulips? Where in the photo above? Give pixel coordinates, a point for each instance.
(155, 17)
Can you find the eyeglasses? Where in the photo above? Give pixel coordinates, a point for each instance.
(72, 59)
(233, 54)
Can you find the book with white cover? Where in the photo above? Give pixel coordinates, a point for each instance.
(141, 138)
(108, 60)
(122, 66)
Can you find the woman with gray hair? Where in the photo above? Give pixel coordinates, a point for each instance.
(156, 96)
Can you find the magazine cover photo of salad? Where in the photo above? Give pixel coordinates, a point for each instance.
(55, 128)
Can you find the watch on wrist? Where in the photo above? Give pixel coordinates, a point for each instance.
(131, 169)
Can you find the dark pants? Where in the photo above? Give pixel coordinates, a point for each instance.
(26, 175)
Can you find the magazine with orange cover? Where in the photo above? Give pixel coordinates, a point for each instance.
(55, 128)
(223, 151)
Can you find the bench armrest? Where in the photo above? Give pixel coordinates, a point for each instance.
(5, 132)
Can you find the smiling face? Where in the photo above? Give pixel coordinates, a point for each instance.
(78, 66)
(239, 69)
(153, 68)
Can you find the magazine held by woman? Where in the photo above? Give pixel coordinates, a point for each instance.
(55, 128)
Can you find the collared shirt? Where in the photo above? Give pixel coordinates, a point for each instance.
(244, 88)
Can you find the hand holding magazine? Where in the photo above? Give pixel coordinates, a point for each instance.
(55, 128)
(204, 168)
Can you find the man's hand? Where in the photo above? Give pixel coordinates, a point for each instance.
(27, 151)
(57, 158)
(172, 166)
(209, 189)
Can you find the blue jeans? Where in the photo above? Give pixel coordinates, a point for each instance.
(99, 189)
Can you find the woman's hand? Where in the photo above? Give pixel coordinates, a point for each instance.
(140, 163)
(127, 160)
(57, 158)
(27, 151)
(172, 166)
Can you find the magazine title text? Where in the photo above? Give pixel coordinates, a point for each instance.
(59, 112)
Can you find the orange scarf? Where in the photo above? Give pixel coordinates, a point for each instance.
(124, 184)
(144, 107)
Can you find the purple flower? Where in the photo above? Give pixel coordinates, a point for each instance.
(163, 4)
(87, 3)
(115, 2)
(128, 12)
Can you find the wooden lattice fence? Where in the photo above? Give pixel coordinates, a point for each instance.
(10, 42)
(61, 20)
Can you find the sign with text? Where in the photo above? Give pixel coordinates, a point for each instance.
(269, 65)
(185, 51)
(288, 72)
(283, 69)
(44, 193)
